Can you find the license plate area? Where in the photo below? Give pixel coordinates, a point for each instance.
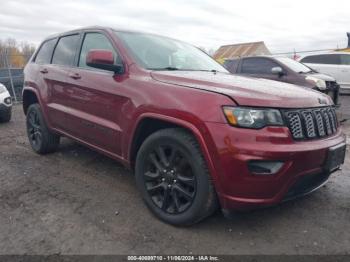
(335, 157)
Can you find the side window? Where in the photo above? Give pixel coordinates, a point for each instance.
(94, 41)
(45, 53)
(345, 59)
(65, 50)
(257, 66)
(314, 59)
(330, 59)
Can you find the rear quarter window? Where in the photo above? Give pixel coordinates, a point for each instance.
(231, 65)
(45, 52)
(65, 50)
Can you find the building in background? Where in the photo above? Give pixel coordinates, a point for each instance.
(240, 50)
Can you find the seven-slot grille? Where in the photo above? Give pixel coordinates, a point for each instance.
(311, 123)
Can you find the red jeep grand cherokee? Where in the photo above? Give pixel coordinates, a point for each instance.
(196, 136)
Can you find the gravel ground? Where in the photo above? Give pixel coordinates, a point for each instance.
(77, 201)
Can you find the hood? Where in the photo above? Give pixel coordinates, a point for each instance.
(246, 91)
(321, 76)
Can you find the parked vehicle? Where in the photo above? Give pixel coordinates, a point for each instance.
(336, 64)
(196, 136)
(17, 80)
(5, 104)
(284, 69)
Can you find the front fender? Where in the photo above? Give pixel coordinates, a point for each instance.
(199, 130)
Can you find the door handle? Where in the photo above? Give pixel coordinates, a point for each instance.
(44, 71)
(75, 76)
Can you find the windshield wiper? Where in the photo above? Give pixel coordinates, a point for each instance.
(211, 70)
(169, 68)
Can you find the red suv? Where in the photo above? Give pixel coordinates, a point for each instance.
(196, 136)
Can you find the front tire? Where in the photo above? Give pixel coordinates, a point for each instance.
(173, 178)
(41, 139)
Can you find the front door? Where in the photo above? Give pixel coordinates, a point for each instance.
(94, 98)
(259, 67)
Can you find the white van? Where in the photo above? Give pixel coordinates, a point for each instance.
(336, 64)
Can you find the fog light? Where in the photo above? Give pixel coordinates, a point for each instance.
(261, 167)
(8, 101)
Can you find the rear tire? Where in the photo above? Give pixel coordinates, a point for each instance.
(41, 139)
(173, 178)
(6, 116)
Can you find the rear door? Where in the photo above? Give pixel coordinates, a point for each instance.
(46, 78)
(56, 75)
(344, 79)
(94, 98)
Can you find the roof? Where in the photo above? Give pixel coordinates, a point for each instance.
(342, 52)
(239, 50)
(96, 27)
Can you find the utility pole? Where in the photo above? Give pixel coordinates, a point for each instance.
(10, 74)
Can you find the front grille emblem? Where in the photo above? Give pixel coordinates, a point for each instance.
(322, 101)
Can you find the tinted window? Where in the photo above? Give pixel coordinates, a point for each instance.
(65, 50)
(45, 53)
(94, 41)
(231, 65)
(257, 66)
(331, 59)
(345, 59)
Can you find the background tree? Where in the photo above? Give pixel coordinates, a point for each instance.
(17, 54)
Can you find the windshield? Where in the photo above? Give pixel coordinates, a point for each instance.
(294, 65)
(161, 53)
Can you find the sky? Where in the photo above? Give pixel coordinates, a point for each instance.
(283, 25)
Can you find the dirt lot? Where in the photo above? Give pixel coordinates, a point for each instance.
(67, 202)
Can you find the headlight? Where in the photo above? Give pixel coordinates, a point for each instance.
(319, 83)
(2, 88)
(252, 117)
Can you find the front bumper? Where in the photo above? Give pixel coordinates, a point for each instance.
(5, 99)
(239, 188)
(5, 102)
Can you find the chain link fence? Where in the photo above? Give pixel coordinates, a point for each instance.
(11, 75)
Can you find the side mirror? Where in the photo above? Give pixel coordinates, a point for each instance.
(277, 71)
(103, 59)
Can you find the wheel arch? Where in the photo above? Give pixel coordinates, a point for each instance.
(150, 123)
(30, 96)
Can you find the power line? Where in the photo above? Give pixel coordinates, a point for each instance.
(305, 51)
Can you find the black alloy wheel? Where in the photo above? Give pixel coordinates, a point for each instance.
(34, 129)
(169, 179)
(172, 176)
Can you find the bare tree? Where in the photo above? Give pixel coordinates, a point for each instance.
(17, 54)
